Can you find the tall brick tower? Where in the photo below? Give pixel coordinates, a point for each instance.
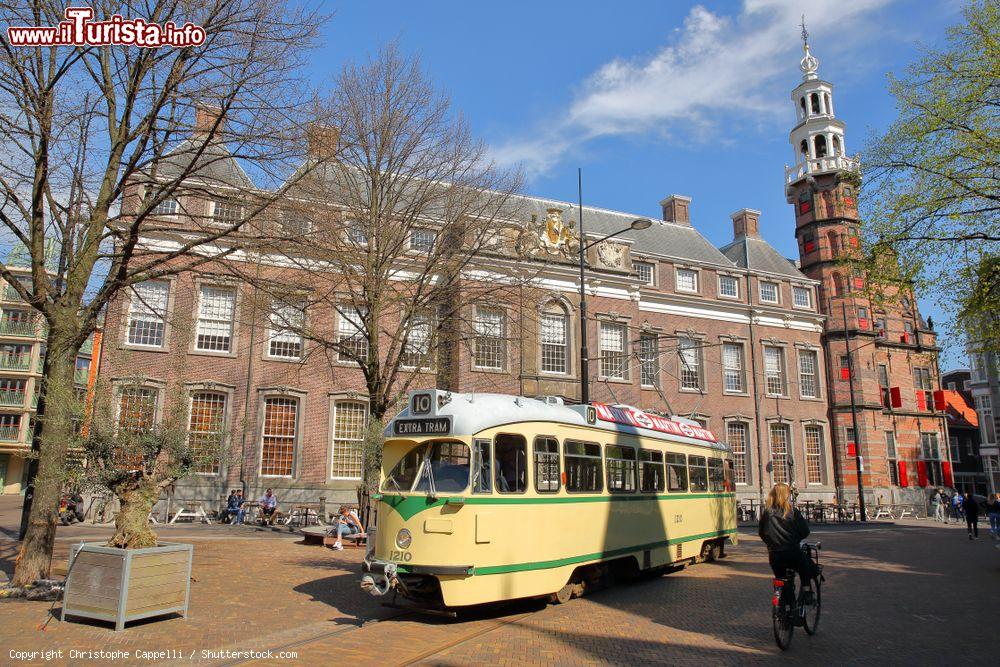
(900, 440)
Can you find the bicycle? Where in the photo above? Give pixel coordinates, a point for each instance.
(789, 610)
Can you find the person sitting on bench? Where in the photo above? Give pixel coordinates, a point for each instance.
(268, 508)
(347, 522)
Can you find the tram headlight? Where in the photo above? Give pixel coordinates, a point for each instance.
(403, 538)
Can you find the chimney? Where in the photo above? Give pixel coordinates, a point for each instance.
(746, 222)
(676, 208)
(323, 140)
(205, 118)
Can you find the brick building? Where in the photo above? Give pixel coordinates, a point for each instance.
(22, 355)
(964, 434)
(886, 354)
(728, 336)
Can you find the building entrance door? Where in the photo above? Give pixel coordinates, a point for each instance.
(4, 458)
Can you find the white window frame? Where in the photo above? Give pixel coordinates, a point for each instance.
(418, 322)
(777, 291)
(142, 308)
(640, 266)
(782, 371)
(649, 359)
(785, 428)
(799, 290)
(423, 240)
(553, 344)
(166, 207)
(608, 357)
(356, 233)
(814, 356)
(202, 391)
(214, 318)
(295, 437)
(348, 447)
(736, 285)
(816, 456)
(350, 324)
(987, 425)
(745, 454)
(728, 370)
(693, 273)
(233, 213)
(686, 346)
(490, 338)
(282, 317)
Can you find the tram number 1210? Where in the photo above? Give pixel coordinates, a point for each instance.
(397, 555)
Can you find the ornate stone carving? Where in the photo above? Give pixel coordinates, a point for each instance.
(612, 255)
(552, 236)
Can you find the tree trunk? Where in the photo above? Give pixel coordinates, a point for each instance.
(132, 529)
(56, 433)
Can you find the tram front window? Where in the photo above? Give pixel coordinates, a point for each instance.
(446, 468)
(405, 472)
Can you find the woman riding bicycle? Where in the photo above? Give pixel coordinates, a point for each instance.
(782, 527)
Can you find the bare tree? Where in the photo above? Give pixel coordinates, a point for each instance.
(394, 240)
(94, 169)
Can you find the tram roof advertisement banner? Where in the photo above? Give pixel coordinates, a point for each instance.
(633, 417)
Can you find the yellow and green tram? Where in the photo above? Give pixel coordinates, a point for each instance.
(490, 497)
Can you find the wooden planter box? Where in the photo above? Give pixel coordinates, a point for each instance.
(122, 585)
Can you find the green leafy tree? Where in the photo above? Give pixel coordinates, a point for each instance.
(932, 182)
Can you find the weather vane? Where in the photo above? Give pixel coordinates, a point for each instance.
(805, 33)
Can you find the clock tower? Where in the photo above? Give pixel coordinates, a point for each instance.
(885, 408)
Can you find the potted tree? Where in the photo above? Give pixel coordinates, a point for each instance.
(131, 454)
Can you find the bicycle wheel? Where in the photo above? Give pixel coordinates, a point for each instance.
(782, 618)
(811, 620)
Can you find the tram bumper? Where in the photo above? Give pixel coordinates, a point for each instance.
(379, 576)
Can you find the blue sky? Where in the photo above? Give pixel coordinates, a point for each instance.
(650, 98)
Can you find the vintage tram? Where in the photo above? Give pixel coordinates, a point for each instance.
(490, 497)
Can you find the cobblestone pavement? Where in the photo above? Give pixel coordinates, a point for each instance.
(908, 593)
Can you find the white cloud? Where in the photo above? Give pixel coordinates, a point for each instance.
(713, 68)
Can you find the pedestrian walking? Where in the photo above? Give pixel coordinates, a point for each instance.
(937, 506)
(993, 512)
(971, 507)
(956, 507)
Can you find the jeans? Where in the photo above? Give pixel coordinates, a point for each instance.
(995, 524)
(344, 528)
(939, 513)
(237, 516)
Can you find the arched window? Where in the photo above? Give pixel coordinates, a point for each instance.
(836, 145)
(802, 103)
(814, 101)
(804, 149)
(838, 284)
(826, 99)
(820, 146)
(833, 239)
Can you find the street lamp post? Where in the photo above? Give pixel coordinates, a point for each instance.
(638, 224)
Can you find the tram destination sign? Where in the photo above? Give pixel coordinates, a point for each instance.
(425, 426)
(633, 417)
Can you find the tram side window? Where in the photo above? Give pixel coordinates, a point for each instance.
(677, 472)
(546, 464)
(482, 467)
(716, 475)
(511, 463)
(650, 471)
(583, 466)
(699, 473)
(621, 468)
(729, 475)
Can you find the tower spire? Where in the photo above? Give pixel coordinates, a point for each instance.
(809, 64)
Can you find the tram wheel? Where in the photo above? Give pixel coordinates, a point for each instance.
(563, 595)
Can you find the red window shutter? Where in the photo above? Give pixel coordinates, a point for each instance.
(855, 242)
(895, 397)
(804, 207)
(862, 323)
(852, 450)
(905, 338)
(845, 373)
(921, 473)
(859, 283)
(921, 400)
(939, 403)
(810, 246)
(903, 481)
(946, 473)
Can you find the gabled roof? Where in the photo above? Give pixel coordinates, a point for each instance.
(215, 164)
(762, 257)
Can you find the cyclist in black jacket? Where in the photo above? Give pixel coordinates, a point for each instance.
(782, 527)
